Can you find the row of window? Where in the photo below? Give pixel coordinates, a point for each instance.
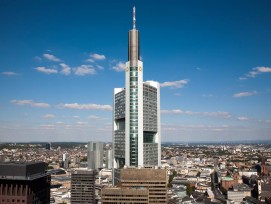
(12, 201)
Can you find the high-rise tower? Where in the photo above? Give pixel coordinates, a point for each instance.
(95, 155)
(136, 122)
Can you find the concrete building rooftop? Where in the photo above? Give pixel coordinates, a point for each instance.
(241, 187)
(143, 174)
(227, 178)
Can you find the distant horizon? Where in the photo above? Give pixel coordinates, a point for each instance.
(267, 141)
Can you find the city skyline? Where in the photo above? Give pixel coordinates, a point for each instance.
(61, 60)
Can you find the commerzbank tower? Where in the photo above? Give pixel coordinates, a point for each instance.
(136, 115)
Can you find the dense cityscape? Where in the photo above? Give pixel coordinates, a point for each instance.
(196, 173)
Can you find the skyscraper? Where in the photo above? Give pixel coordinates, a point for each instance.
(108, 159)
(136, 120)
(95, 155)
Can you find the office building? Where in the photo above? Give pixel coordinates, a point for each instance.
(155, 180)
(65, 161)
(24, 183)
(136, 123)
(109, 159)
(124, 195)
(48, 146)
(95, 155)
(83, 186)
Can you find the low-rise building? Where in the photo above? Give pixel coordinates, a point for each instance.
(239, 192)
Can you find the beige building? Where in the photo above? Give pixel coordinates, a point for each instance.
(155, 180)
(125, 195)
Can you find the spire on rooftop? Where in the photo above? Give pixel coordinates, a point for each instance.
(134, 17)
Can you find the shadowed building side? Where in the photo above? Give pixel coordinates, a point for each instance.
(24, 183)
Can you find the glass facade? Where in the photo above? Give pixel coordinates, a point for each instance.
(133, 116)
(150, 122)
(119, 132)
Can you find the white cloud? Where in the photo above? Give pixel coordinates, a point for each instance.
(94, 117)
(90, 60)
(30, 103)
(263, 69)
(96, 56)
(37, 58)
(86, 106)
(119, 67)
(66, 70)
(255, 72)
(244, 94)
(51, 58)
(175, 84)
(49, 116)
(81, 123)
(10, 73)
(60, 123)
(242, 118)
(48, 127)
(46, 70)
(220, 114)
(100, 67)
(84, 70)
(176, 111)
(194, 127)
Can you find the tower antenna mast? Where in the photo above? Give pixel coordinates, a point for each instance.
(134, 17)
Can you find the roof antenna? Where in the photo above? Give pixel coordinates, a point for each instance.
(134, 17)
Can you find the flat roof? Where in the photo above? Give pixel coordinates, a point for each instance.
(22, 170)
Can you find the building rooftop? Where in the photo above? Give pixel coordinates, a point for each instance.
(22, 170)
(143, 174)
(124, 191)
(227, 178)
(241, 187)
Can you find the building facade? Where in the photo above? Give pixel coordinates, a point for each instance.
(155, 180)
(24, 183)
(136, 122)
(95, 155)
(83, 186)
(48, 146)
(109, 159)
(124, 195)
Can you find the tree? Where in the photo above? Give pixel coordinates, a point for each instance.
(170, 179)
(189, 189)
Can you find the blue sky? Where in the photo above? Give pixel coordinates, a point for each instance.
(61, 60)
